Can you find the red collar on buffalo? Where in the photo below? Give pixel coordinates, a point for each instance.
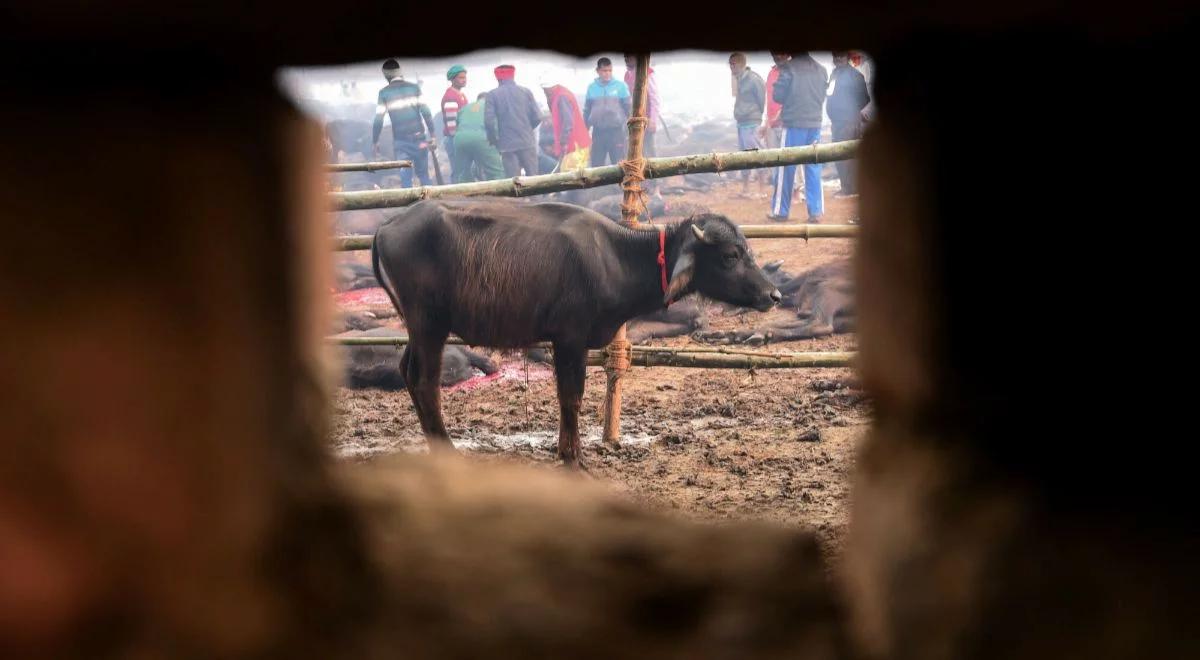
(662, 258)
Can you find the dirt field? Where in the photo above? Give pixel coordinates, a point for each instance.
(716, 443)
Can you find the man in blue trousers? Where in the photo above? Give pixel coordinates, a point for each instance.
(801, 89)
(412, 124)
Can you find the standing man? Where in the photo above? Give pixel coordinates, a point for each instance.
(771, 132)
(511, 117)
(848, 96)
(605, 110)
(452, 102)
(750, 99)
(401, 102)
(472, 150)
(801, 91)
(567, 141)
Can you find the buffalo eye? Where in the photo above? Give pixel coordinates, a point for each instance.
(730, 259)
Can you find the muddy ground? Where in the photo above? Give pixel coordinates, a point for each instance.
(712, 443)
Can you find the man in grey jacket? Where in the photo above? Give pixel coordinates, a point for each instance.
(801, 89)
(511, 117)
(750, 98)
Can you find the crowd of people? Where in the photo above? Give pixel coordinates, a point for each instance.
(505, 133)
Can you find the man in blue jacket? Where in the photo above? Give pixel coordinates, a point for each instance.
(605, 110)
(801, 89)
(848, 96)
(401, 102)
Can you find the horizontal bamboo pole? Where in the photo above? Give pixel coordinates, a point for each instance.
(683, 358)
(804, 231)
(662, 356)
(369, 166)
(656, 168)
(400, 340)
(363, 241)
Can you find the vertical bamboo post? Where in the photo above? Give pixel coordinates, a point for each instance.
(618, 352)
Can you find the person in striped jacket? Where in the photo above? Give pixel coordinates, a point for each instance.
(452, 102)
(400, 102)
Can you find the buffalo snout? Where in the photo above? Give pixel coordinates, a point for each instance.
(768, 300)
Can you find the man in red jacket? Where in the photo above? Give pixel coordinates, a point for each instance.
(571, 139)
(453, 101)
(772, 128)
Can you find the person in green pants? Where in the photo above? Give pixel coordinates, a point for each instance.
(474, 158)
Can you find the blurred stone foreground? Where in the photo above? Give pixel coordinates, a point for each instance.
(165, 486)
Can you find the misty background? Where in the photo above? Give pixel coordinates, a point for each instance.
(693, 86)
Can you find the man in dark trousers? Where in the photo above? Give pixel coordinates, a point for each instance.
(848, 96)
(512, 117)
(750, 99)
(452, 102)
(411, 119)
(606, 108)
(801, 89)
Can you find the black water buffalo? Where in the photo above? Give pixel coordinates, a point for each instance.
(349, 136)
(505, 274)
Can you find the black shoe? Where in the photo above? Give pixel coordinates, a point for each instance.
(814, 220)
(777, 218)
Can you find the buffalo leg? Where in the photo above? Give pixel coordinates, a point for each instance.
(423, 373)
(569, 365)
(406, 373)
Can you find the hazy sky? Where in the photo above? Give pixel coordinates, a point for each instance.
(693, 85)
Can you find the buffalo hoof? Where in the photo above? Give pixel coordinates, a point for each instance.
(576, 466)
(728, 337)
(442, 447)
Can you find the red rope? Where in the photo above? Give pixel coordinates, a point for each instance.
(662, 258)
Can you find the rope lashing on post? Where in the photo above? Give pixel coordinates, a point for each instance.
(619, 355)
(634, 174)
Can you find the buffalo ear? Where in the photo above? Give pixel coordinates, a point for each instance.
(681, 277)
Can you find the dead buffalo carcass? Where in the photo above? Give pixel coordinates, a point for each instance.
(351, 275)
(822, 297)
(506, 274)
(378, 366)
(682, 318)
(609, 206)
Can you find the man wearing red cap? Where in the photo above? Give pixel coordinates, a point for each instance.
(512, 117)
